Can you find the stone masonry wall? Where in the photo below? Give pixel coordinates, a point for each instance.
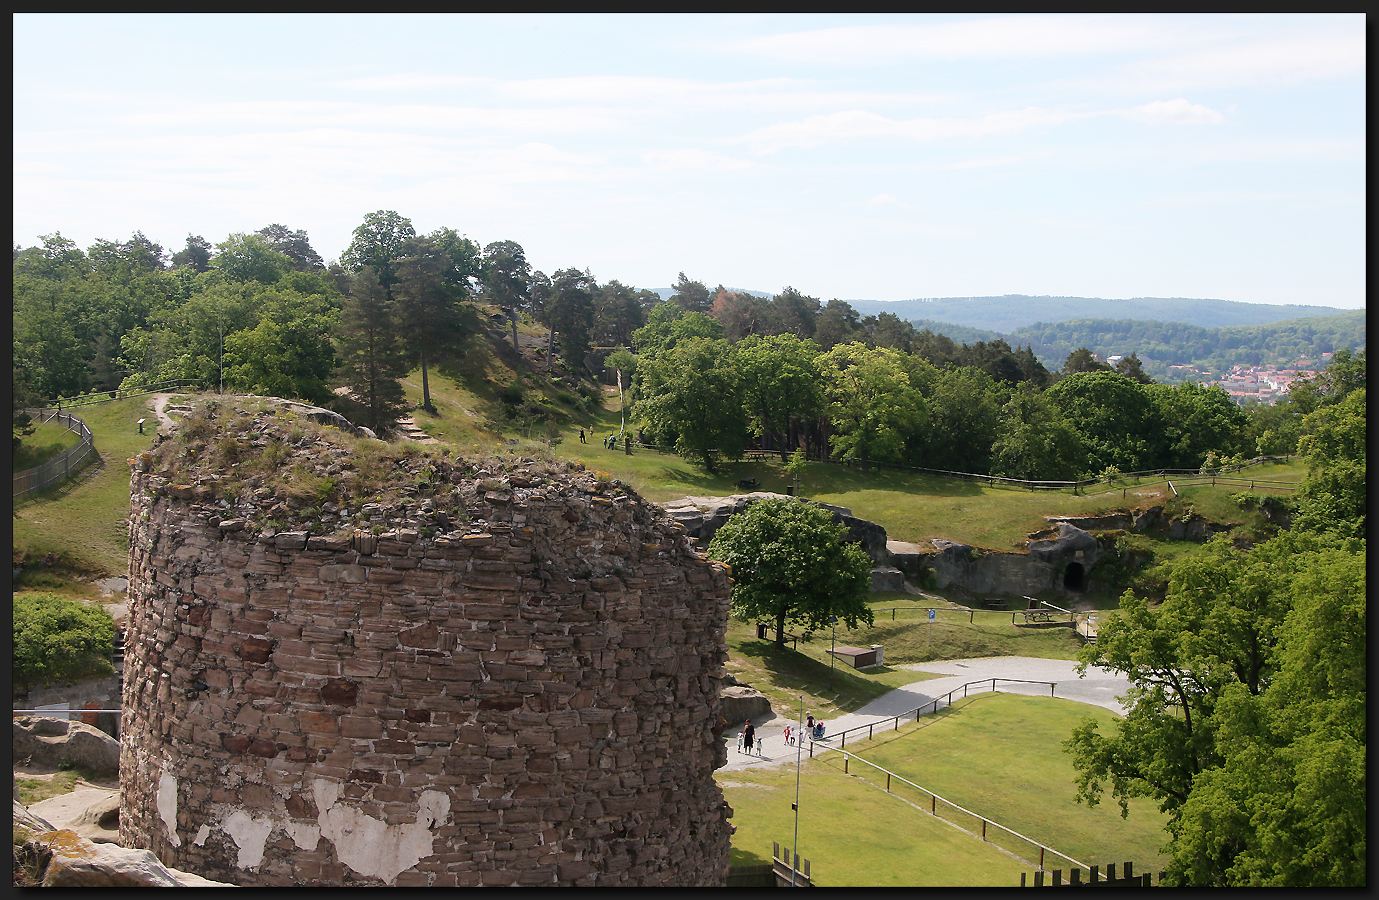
(528, 698)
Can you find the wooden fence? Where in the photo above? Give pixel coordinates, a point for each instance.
(159, 387)
(68, 462)
(975, 823)
(1229, 477)
(1128, 878)
(788, 875)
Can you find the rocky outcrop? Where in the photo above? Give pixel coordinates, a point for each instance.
(61, 857)
(741, 702)
(51, 741)
(983, 572)
(912, 559)
(92, 812)
(887, 578)
(1071, 544)
(701, 518)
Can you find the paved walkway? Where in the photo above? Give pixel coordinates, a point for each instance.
(1100, 687)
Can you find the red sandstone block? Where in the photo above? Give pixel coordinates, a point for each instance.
(358, 727)
(260, 688)
(395, 747)
(384, 576)
(320, 723)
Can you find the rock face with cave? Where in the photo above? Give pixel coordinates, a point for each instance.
(522, 691)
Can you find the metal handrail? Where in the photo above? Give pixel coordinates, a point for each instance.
(948, 697)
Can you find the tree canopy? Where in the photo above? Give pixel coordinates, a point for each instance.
(60, 639)
(791, 564)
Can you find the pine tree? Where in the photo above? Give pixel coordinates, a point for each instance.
(371, 351)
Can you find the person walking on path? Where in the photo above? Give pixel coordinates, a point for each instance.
(788, 742)
(581, 437)
(748, 735)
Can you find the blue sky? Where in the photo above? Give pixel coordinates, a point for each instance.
(877, 157)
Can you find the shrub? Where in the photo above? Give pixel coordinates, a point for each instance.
(60, 639)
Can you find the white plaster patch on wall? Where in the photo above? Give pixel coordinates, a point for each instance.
(303, 835)
(372, 847)
(167, 806)
(249, 835)
(201, 834)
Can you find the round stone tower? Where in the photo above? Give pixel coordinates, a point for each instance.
(351, 663)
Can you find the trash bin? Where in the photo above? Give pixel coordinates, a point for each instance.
(761, 631)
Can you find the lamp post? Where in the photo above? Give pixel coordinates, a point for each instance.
(795, 850)
(832, 659)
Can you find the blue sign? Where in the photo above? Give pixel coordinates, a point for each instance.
(931, 614)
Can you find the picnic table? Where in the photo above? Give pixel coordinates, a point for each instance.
(748, 483)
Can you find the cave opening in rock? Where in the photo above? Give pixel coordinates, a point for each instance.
(1072, 578)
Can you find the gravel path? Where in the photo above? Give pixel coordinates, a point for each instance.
(1100, 687)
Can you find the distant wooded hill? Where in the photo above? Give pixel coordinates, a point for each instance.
(1163, 344)
(1212, 349)
(1012, 311)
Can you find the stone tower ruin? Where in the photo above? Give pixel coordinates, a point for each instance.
(350, 663)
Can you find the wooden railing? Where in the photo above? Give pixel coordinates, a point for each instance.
(988, 826)
(68, 462)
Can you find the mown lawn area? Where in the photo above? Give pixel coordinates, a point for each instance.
(998, 755)
(913, 507)
(82, 520)
(46, 441)
(785, 673)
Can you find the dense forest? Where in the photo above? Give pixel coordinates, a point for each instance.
(714, 372)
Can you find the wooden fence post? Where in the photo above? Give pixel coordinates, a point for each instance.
(1057, 877)
(1075, 877)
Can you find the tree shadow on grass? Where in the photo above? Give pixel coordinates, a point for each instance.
(846, 479)
(791, 670)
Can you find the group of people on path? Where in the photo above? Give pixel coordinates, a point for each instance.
(748, 740)
(609, 443)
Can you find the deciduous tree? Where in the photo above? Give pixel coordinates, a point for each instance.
(379, 243)
(791, 564)
(693, 392)
(872, 407)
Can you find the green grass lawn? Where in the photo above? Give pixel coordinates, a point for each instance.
(82, 520)
(998, 755)
(785, 673)
(47, 441)
(913, 507)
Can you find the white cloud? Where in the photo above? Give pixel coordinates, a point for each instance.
(989, 38)
(984, 163)
(693, 159)
(407, 81)
(860, 124)
(1174, 112)
(1335, 53)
